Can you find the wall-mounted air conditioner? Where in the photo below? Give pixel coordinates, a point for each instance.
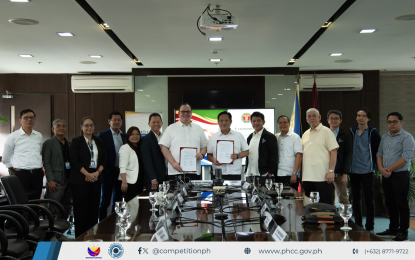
(102, 84)
(332, 82)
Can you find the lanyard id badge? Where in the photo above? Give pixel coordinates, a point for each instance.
(92, 165)
(67, 165)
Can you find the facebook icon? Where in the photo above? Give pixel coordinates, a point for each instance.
(139, 250)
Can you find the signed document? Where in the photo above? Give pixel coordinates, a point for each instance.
(188, 159)
(224, 150)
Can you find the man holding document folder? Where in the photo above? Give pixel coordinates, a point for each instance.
(226, 148)
(183, 144)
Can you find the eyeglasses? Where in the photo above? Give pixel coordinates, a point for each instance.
(394, 122)
(283, 123)
(312, 116)
(60, 126)
(186, 112)
(88, 126)
(26, 118)
(334, 118)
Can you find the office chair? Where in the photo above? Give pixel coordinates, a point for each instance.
(14, 247)
(16, 195)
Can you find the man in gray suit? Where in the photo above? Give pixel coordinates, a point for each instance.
(55, 154)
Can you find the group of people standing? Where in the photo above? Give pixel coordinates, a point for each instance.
(96, 170)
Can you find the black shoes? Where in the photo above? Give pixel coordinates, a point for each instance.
(401, 237)
(388, 234)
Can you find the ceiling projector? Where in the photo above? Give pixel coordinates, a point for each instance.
(218, 21)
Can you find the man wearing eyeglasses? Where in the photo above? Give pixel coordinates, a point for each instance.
(111, 187)
(366, 141)
(22, 154)
(184, 133)
(344, 156)
(394, 161)
(55, 155)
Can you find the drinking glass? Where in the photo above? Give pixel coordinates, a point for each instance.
(314, 196)
(124, 224)
(268, 184)
(257, 182)
(121, 208)
(166, 186)
(160, 187)
(346, 212)
(279, 186)
(152, 196)
(346, 237)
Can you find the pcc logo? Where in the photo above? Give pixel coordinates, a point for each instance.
(116, 250)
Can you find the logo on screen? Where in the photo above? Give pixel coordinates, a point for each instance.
(246, 117)
(94, 251)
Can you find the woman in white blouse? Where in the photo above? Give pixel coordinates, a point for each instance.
(131, 165)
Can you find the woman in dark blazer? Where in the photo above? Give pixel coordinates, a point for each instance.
(87, 156)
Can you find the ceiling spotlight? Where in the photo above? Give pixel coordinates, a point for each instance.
(65, 34)
(326, 25)
(288, 89)
(20, 1)
(95, 56)
(336, 54)
(147, 95)
(105, 26)
(136, 61)
(215, 60)
(26, 55)
(140, 90)
(215, 39)
(279, 94)
(367, 30)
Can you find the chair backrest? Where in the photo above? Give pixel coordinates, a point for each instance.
(14, 190)
(4, 243)
(23, 222)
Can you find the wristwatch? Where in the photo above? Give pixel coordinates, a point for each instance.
(294, 173)
(238, 156)
(331, 170)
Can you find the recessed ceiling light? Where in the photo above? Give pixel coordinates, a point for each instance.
(23, 21)
(274, 98)
(95, 56)
(288, 89)
(20, 1)
(26, 55)
(407, 17)
(295, 82)
(88, 62)
(367, 30)
(279, 94)
(215, 39)
(215, 60)
(140, 90)
(105, 26)
(153, 101)
(336, 54)
(147, 95)
(65, 34)
(343, 61)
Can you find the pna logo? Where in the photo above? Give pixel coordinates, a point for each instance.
(246, 117)
(94, 251)
(116, 250)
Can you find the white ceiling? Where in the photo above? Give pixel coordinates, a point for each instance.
(164, 34)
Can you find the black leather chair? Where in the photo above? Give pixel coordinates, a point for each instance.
(16, 195)
(32, 234)
(15, 247)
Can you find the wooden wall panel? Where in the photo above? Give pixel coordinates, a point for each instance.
(60, 108)
(124, 102)
(101, 107)
(34, 83)
(73, 129)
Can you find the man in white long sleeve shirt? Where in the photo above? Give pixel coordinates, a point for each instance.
(22, 153)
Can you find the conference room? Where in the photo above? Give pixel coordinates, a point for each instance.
(73, 64)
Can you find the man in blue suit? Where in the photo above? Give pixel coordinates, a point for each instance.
(111, 187)
(153, 159)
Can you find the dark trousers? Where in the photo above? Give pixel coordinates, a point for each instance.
(323, 188)
(110, 189)
(286, 180)
(133, 190)
(85, 206)
(31, 182)
(61, 195)
(366, 182)
(396, 189)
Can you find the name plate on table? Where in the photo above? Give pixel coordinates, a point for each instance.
(176, 207)
(162, 234)
(162, 222)
(232, 183)
(184, 191)
(208, 182)
(179, 196)
(254, 198)
(268, 219)
(278, 234)
(246, 186)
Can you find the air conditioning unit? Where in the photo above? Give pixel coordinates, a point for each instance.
(332, 82)
(102, 84)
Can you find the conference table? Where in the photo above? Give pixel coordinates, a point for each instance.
(243, 223)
